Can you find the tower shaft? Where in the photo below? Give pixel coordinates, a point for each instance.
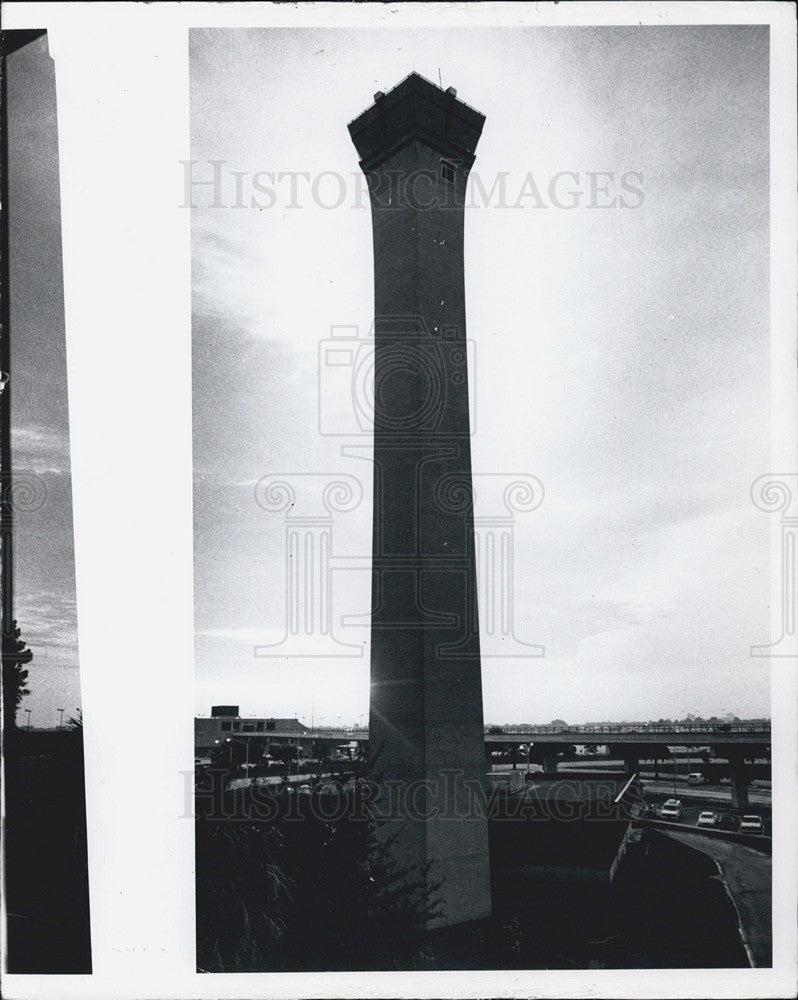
(426, 726)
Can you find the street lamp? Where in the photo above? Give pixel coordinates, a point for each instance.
(61, 720)
(27, 710)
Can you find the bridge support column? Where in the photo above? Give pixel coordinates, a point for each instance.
(631, 763)
(550, 762)
(739, 782)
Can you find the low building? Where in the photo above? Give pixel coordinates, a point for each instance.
(225, 722)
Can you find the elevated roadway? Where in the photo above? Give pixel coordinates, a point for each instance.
(731, 741)
(687, 735)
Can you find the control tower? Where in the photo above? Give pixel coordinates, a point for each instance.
(416, 146)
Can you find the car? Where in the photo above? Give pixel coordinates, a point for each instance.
(752, 824)
(727, 822)
(707, 819)
(671, 810)
(696, 778)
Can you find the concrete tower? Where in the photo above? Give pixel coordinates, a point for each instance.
(416, 146)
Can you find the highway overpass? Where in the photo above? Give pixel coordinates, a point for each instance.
(686, 735)
(628, 742)
(755, 734)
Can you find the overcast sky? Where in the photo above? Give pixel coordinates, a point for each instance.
(44, 558)
(621, 354)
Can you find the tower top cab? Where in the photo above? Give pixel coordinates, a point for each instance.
(416, 110)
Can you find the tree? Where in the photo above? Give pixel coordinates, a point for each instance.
(293, 891)
(243, 896)
(15, 654)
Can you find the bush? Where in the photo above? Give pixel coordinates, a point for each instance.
(294, 892)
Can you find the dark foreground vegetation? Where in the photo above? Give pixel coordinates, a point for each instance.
(47, 890)
(289, 890)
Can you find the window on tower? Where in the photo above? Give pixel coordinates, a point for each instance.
(448, 171)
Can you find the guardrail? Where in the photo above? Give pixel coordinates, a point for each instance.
(714, 729)
(756, 841)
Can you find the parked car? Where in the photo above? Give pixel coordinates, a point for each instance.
(752, 824)
(727, 822)
(696, 778)
(671, 810)
(707, 819)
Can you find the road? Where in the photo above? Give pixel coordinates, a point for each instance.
(692, 810)
(748, 876)
(759, 792)
(706, 793)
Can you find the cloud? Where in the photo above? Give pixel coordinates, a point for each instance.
(622, 357)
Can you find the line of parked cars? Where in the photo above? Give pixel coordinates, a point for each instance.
(671, 810)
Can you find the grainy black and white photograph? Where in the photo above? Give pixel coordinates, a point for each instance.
(480, 397)
(45, 885)
(401, 399)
